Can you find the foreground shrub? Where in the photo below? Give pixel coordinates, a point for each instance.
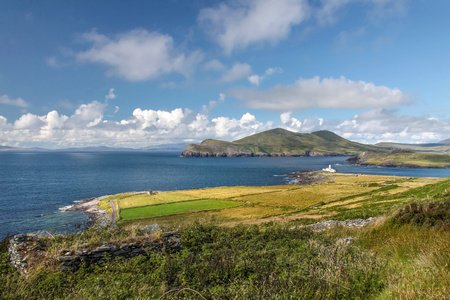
(433, 214)
(244, 262)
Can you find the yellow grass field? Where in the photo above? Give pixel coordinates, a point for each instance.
(341, 194)
(159, 198)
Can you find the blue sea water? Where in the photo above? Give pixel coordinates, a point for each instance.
(33, 186)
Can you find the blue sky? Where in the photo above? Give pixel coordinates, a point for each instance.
(145, 73)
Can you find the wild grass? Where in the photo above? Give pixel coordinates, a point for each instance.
(243, 262)
(174, 208)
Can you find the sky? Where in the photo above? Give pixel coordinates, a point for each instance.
(146, 73)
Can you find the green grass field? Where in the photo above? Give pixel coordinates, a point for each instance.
(343, 196)
(174, 208)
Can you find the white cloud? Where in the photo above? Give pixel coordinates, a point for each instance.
(145, 127)
(138, 55)
(5, 99)
(3, 123)
(212, 104)
(54, 120)
(252, 22)
(386, 125)
(28, 121)
(110, 95)
(238, 71)
(321, 93)
(87, 115)
(232, 129)
(289, 122)
(256, 79)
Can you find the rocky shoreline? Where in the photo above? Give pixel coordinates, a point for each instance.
(307, 177)
(90, 206)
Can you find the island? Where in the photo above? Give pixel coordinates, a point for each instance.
(279, 142)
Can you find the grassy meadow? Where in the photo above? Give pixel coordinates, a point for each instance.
(343, 196)
(244, 243)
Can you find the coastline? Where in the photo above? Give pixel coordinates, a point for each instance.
(90, 207)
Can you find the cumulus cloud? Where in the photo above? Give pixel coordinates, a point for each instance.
(29, 121)
(5, 99)
(145, 127)
(321, 93)
(238, 71)
(251, 22)
(87, 115)
(387, 125)
(138, 55)
(373, 126)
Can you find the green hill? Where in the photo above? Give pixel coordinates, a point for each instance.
(402, 159)
(279, 142)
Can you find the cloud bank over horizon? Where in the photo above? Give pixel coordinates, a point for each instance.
(88, 126)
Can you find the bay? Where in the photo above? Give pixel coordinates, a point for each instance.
(34, 185)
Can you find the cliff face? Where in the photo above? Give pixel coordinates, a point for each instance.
(278, 142)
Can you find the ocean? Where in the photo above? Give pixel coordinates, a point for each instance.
(34, 185)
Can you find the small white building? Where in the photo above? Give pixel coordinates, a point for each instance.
(329, 169)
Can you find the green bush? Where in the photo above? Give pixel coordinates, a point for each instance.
(432, 214)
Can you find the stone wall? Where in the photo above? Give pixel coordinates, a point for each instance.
(26, 250)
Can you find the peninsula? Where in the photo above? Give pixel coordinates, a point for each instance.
(402, 159)
(279, 142)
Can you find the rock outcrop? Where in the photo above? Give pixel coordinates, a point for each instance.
(356, 223)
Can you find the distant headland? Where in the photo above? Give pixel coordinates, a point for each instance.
(279, 142)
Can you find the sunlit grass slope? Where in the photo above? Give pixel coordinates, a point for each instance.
(343, 196)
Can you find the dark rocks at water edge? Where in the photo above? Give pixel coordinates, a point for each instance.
(26, 251)
(307, 177)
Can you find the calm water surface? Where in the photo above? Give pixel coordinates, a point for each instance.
(34, 185)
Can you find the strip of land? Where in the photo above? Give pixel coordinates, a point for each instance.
(327, 196)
